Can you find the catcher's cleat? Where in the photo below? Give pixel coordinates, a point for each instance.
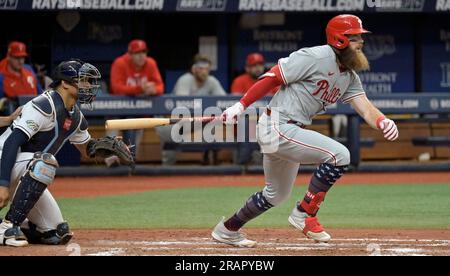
(11, 235)
(235, 238)
(60, 236)
(310, 226)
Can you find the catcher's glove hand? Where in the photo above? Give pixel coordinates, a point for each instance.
(108, 146)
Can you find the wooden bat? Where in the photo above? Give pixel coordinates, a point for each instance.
(141, 123)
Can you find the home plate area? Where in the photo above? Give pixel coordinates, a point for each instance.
(270, 242)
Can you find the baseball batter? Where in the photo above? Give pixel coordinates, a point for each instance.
(311, 79)
(28, 148)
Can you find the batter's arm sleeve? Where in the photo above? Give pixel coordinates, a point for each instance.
(119, 82)
(270, 81)
(9, 154)
(156, 78)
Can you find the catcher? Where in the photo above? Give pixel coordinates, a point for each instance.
(28, 148)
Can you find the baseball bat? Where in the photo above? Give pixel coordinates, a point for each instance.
(141, 123)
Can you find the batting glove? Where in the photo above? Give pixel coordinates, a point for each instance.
(229, 116)
(390, 130)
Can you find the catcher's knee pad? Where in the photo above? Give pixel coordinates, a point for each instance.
(40, 174)
(59, 236)
(43, 168)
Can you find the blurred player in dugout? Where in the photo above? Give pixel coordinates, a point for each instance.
(196, 82)
(16, 77)
(134, 74)
(254, 68)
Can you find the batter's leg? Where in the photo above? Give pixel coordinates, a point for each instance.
(280, 177)
(308, 146)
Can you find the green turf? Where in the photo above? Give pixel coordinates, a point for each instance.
(356, 206)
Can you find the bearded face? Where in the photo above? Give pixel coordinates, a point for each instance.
(353, 57)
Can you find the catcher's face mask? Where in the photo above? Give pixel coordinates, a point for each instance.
(87, 83)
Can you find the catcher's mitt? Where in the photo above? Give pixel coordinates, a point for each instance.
(108, 146)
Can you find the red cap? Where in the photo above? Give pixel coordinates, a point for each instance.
(136, 46)
(17, 49)
(254, 58)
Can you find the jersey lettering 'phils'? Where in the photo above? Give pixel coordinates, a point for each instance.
(312, 81)
(326, 94)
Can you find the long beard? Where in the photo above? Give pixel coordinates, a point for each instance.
(353, 60)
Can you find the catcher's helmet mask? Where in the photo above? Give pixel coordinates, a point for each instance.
(83, 76)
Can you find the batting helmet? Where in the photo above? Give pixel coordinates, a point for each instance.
(342, 25)
(83, 75)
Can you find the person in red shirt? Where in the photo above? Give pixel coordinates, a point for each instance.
(16, 77)
(134, 73)
(254, 68)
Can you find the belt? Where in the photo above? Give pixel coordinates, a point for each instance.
(269, 112)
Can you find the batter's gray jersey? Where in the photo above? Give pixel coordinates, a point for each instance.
(312, 81)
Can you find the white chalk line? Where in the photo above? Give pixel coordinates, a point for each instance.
(111, 252)
(392, 247)
(351, 239)
(310, 244)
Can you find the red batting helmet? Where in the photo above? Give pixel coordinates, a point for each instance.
(341, 25)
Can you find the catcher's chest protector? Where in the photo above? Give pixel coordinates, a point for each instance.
(65, 124)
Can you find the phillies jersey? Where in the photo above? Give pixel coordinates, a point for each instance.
(126, 79)
(242, 84)
(14, 85)
(312, 81)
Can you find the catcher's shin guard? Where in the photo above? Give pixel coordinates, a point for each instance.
(32, 185)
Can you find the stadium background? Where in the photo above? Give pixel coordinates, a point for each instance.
(410, 57)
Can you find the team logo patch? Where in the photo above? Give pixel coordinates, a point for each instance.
(67, 124)
(32, 125)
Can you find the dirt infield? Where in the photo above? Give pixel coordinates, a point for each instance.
(103, 186)
(270, 242)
